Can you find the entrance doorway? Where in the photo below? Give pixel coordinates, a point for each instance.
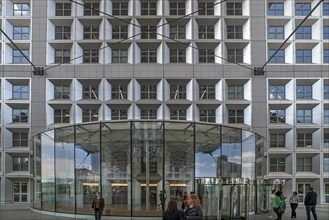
(302, 189)
(20, 193)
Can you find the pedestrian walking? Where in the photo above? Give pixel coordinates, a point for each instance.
(277, 202)
(293, 200)
(310, 204)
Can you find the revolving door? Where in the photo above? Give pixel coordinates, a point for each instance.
(223, 200)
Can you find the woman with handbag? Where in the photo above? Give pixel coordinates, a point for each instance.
(293, 200)
(277, 202)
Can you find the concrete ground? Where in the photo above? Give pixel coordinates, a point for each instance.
(23, 212)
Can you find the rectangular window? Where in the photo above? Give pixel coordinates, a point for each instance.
(235, 92)
(20, 92)
(21, 9)
(177, 32)
(177, 91)
(279, 57)
(19, 58)
(91, 9)
(326, 116)
(325, 7)
(206, 56)
(206, 32)
(277, 92)
(304, 140)
(89, 115)
(326, 91)
(207, 91)
(302, 9)
(0, 15)
(90, 56)
(119, 32)
(277, 140)
(148, 8)
(90, 92)
(119, 114)
(62, 116)
(206, 8)
(325, 55)
(62, 56)
(277, 164)
(148, 114)
(304, 32)
(148, 32)
(21, 32)
(275, 32)
(177, 114)
(304, 116)
(325, 164)
(304, 164)
(177, 8)
(148, 91)
(20, 139)
(208, 115)
(304, 92)
(91, 32)
(177, 56)
(234, 32)
(235, 55)
(148, 55)
(325, 32)
(275, 9)
(277, 116)
(20, 115)
(119, 56)
(119, 92)
(326, 139)
(62, 92)
(20, 164)
(303, 56)
(63, 9)
(235, 116)
(234, 8)
(120, 8)
(62, 32)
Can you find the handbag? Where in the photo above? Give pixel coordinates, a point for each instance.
(282, 207)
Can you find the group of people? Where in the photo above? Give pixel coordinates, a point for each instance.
(278, 204)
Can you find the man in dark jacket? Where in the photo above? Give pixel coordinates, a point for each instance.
(310, 203)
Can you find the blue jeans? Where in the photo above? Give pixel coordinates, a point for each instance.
(310, 208)
(98, 214)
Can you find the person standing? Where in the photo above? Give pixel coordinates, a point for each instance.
(172, 213)
(293, 200)
(310, 203)
(98, 205)
(193, 208)
(271, 213)
(277, 201)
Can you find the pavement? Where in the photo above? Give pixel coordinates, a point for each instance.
(23, 212)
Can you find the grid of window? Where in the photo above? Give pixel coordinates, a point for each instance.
(326, 139)
(90, 92)
(20, 164)
(302, 9)
(63, 9)
(120, 8)
(304, 164)
(177, 114)
(235, 92)
(325, 164)
(277, 140)
(206, 32)
(303, 56)
(62, 116)
(177, 91)
(119, 114)
(304, 116)
(177, 32)
(277, 92)
(304, 92)
(62, 32)
(148, 32)
(148, 114)
(148, 92)
(91, 32)
(119, 32)
(90, 56)
(21, 32)
(177, 56)
(277, 116)
(235, 55)
(326, 116)
(326, 91)
(62, 56)
(235, 116)
(119, 56)
(20, 115)
(207, 91)
(325, 32)
(325, 55)
(234, 8)
(304, 140)
(206, 56)
(91, 9)
(277, 164)
(148, 55)
(208, 115)
(275, 32)
(177, 8)
(20, 91)
(19, 58)
(119, 92)
(62, 92)
(304, 32)
(279, 57)
(148, 8)
(275, 9)
(21, 9)
(20, 140)
(325, 7)
(89, 115)
(234, 32)
(206, 8)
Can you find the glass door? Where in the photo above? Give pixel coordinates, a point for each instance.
(20, 191)
(302, 189)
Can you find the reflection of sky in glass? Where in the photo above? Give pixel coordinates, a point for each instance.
(88, 160)
(248, 155)
(47, 168)
(233, 152)
(206, 165)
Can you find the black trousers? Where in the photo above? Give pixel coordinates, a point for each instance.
(293, 209)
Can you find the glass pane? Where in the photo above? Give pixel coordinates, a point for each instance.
(248, 155)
